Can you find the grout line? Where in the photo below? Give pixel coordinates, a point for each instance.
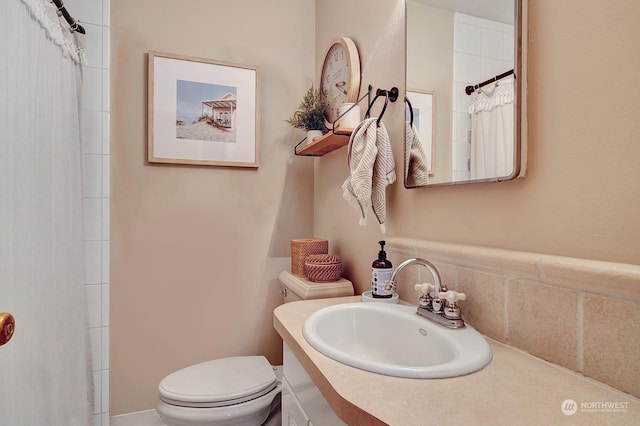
(580, 334)
(506, 309)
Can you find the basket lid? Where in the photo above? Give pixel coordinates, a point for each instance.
(323, 259)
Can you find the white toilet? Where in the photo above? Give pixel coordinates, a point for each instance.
(241, 390)
(227, 391)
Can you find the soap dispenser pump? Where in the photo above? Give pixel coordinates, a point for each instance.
(381, 271)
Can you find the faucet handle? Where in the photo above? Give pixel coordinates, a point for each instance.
(424, 288)
(452, 310)
(452, 296)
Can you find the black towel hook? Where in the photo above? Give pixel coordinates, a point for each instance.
(408, 102)
(386, 102)
(389, 95)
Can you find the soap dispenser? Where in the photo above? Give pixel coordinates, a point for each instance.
(381, 271)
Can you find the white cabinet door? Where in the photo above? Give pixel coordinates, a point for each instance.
(292, 412)
(313, 404)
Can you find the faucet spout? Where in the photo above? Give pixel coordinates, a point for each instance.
(432, 308)
(437, 282)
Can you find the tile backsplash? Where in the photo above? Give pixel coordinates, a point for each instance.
(580, 314)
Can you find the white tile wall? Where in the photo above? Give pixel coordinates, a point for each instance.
(482, 49)
(94, 16)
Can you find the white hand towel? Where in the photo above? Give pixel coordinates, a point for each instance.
(416, 161)
(371, 170)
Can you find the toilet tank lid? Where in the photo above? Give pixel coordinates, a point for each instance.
(306, 289)
(219, 380)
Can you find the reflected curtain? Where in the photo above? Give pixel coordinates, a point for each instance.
(44, 370)
(492, 131)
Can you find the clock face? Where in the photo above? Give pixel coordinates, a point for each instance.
(340, 78)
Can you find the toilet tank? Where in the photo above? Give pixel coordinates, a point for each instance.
(300, 288)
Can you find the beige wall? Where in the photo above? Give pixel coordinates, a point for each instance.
(196, 251)
(580, 198)
(379, 36)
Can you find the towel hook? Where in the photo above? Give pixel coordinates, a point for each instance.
(386, 101)
(408, 102)
(389, 95)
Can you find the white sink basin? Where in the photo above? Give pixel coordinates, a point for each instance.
(394, 340)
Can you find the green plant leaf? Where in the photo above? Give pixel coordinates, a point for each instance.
(310, 114)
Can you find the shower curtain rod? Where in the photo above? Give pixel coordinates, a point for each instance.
(470, 89)
(62, 11)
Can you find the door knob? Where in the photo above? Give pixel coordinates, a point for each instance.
(7, 327)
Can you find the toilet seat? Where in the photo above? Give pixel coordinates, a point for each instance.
(219, 383)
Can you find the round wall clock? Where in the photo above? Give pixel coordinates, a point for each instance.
(340, 77)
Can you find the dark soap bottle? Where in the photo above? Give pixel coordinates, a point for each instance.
(381, 271)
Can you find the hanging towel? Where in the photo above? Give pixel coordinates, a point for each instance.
(416, 161)
(371, 170)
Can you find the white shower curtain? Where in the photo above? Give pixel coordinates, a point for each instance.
(492, 131)
(44, 369)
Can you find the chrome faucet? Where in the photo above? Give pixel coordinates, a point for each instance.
(416, 261)
(433, 308)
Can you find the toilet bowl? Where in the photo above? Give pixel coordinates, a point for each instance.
(239, 390)
(223, 392)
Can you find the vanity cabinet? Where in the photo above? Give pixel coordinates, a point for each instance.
(302, 402)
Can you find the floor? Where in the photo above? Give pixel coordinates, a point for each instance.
(141, 418)
(151, 418)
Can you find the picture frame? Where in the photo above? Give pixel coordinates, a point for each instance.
(202, 112)
(423, 103)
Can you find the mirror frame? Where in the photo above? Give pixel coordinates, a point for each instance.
(520, 122)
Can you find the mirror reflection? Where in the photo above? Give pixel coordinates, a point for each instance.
(461, 92)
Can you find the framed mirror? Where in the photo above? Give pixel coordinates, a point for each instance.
(468, 56)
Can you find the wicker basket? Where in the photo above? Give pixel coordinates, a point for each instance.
(323, 267)
(302, 248)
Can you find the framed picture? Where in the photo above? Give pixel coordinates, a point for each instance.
(423, 118)
(202, 112)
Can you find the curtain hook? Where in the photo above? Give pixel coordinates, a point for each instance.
(59, 8)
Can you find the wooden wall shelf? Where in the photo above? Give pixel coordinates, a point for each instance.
(327, 143)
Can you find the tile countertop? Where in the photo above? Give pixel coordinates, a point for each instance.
(515, 388)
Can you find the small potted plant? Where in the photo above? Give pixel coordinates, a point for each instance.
(310, 115)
